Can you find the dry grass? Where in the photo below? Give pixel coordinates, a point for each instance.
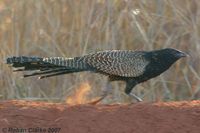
(75, 27)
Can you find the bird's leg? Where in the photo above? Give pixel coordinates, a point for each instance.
(135, 97)
(129, 86)
(106, 91)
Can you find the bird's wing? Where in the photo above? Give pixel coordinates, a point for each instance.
(119, 63)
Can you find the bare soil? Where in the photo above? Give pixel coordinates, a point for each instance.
(42, 117)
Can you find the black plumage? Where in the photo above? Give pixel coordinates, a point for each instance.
(133, 67)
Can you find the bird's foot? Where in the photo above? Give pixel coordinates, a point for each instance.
(135, 97)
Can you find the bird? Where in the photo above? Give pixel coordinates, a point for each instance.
(132, 67)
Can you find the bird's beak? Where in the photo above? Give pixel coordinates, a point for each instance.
(182, 54)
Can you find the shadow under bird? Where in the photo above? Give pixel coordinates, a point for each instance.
(133, 67)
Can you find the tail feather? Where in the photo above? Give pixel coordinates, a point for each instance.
(59, 73)
(47, 67)
(23, 63)
(44, 72)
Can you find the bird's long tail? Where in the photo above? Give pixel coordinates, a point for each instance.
(47, 67)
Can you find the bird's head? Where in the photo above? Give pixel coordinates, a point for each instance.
(169, 54)
(174, 53)
(166, 57)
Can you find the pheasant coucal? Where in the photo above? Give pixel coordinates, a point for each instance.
(133, 67)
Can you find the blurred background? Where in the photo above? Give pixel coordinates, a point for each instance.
(75, 27)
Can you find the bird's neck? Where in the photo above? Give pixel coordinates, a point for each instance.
(157, 65)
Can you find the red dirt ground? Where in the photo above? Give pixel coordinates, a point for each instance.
(41, 117)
